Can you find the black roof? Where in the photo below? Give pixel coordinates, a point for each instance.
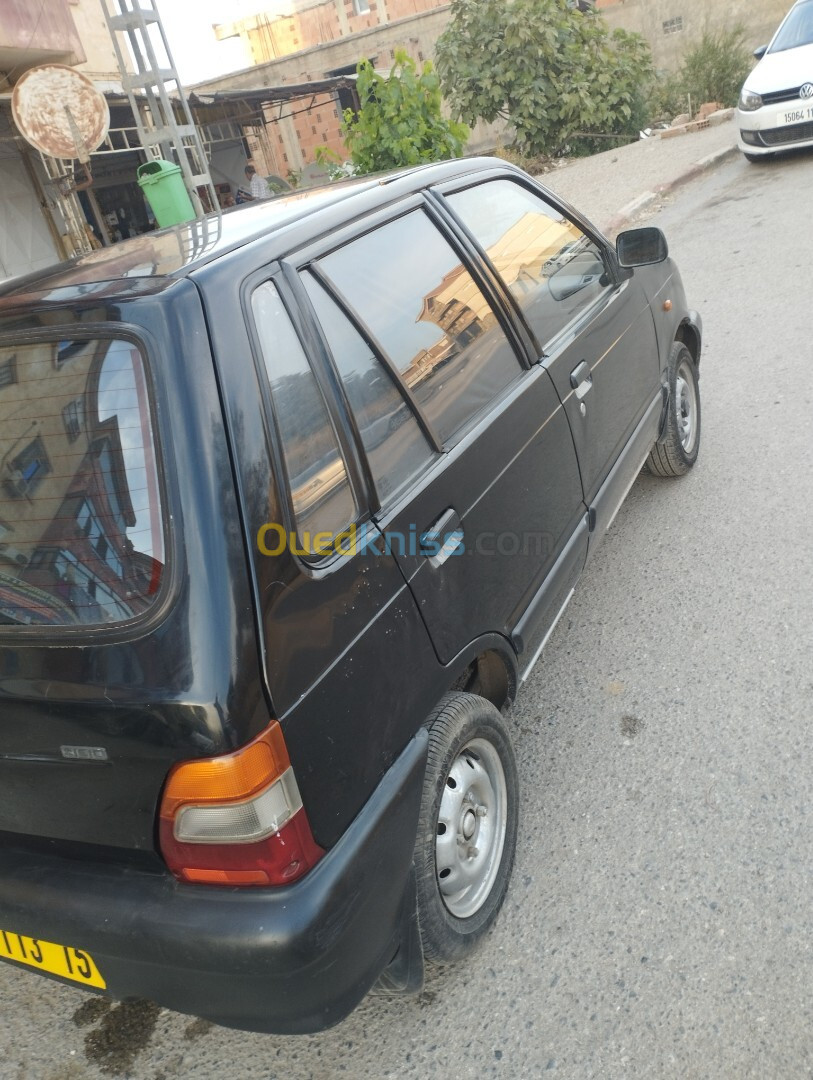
(161, 256)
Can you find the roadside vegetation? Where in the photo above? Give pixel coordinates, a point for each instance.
(561, 78)
(714, 70)
(400, 122)
(565, 84)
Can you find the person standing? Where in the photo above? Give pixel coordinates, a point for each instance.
(258, 185)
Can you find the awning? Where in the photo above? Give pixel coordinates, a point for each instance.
(273, 95)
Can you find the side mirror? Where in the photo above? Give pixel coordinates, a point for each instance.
(641, 247)
(760, 52)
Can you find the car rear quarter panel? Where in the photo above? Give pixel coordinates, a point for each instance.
(182, 684)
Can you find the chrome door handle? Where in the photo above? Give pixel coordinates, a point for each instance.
(441, 540)
(581, 380)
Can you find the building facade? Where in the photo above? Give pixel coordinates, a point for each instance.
(375, 34)
(672, 26)
(301, 40)
(34, 230)
(298, 25)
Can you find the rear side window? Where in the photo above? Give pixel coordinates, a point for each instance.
(552, 269)
(396, 447)
(407, 284)
(81, 520)
(322, 499)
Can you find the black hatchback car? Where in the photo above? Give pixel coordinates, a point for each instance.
(290, 501)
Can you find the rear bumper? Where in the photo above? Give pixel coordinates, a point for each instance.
(287, 960)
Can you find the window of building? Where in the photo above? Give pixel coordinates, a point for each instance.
(553, 270)
(408, 286)
(67, 350)
(73, 418)
(25, 471)
(8, 371)
(673, 26)
(322, 499)
(361, 7)
(396, 447)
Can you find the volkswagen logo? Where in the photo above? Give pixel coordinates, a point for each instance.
(806, 91)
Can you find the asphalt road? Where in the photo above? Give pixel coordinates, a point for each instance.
(659, 922)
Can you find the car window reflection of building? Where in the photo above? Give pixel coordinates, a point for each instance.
(72, 509)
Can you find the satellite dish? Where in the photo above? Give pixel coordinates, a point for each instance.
(60, 112)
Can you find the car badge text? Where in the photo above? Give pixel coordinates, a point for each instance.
(84, 753)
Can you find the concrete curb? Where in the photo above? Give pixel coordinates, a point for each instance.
(632, 209)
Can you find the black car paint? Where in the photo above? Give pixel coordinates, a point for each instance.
(181, 684)
(211, 666)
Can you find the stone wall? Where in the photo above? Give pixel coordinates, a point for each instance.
(672, 26)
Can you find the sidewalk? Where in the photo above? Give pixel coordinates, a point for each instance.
(611, 188)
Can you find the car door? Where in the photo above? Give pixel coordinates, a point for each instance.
(491, 531)
(325, 614)
(591, 325)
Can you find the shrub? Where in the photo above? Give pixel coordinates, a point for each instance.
(714, 70)
(400, 122)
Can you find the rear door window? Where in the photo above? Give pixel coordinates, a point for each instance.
(322, 499)
(553, 269)
(81, 517)
(406, 283)
(396, 447)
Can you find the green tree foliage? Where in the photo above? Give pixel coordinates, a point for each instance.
(400, 122)
(552, 71)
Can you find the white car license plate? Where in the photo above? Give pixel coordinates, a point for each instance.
(795, 116)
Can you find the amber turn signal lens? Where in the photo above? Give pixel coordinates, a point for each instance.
(229, 777)
(237, 819)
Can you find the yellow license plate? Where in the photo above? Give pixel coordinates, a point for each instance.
(63, 960)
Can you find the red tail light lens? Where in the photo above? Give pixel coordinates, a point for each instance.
(237, 819)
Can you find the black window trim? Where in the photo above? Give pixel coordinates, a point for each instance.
(172, 530)
(486, 276)
(313, 334)
(309, 257)
(437, 451)
(542, 351)
(379, 352)
(275, 275)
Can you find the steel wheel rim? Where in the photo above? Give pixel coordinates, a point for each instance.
(471, 826)
(686, 407)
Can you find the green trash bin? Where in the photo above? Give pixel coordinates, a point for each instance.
(164, 189)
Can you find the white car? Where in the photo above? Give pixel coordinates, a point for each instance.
(775, 110)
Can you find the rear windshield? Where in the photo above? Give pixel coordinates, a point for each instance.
(796, 30)
(81, 524)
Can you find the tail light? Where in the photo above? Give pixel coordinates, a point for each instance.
(237, 819)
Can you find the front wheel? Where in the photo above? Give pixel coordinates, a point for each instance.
(758, 159)
(678, 451)
(467, 832)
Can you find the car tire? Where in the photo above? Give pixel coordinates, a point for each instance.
(758, 159)
(677, 452)
(470, 797)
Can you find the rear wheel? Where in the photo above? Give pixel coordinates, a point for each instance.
(678, 451)
(464, 852)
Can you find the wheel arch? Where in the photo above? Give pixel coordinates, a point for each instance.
(690, 335)
(488, 667)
